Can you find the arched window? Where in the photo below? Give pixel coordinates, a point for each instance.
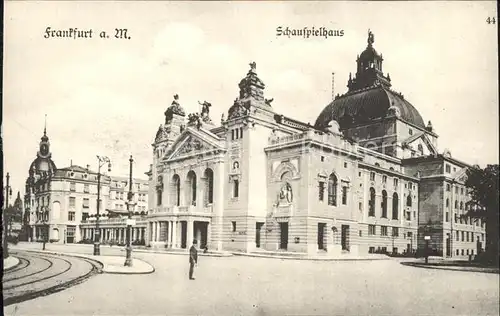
(395, 206)
(371, 210)
(332, 190)
(408, 200)
(175, 190)
(447, 203)
(461, 205)
(191, 177)
(209, 186)
(384, 204)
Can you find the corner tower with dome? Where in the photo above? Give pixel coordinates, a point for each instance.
(366, 178)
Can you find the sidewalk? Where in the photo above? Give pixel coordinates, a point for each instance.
(314, 257)
(111, 264)
(10, 263)
(447, 265)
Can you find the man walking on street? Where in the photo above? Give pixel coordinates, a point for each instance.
(193, 259)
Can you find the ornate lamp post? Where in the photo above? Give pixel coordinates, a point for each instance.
(102, 160)
(8, 192)
(45, 222)
(130, 222)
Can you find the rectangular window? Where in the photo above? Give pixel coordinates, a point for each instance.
(383, 230)
(234, 226)
(85, 203)
(360, 206)
(85, 215)
(467, 236)
(359, 174)
(448, 168)
(371, 230)
(322, 158)
(462, 191)
(72, 186)
(232, 134)
(396, 182)
(344, 195)
(321, 190)
(71, 216)
(236, 188)
(371, 250)
(384, 179)
(360, 233)
(447, 217)
(458, 235)
(395, 231)
(345, 164)
(85, 188)
(72, 201)
(463, 236)
(241, 132)
(372, 176)
(448, 187)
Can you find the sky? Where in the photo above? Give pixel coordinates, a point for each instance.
(107, 96)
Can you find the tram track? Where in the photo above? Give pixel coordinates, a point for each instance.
(14, 277)
(49, 284)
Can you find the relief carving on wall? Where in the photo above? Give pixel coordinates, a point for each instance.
(280, 168)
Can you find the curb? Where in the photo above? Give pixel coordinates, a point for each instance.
(102, 269)
(14, 266)
(424, 266)
(305, 258)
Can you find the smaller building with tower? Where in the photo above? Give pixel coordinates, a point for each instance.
(61, 203)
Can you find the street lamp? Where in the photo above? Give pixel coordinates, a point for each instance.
(130, 222)
(102, 160)
(45, 223)
(8, 192)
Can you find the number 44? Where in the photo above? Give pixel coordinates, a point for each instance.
(490, 20)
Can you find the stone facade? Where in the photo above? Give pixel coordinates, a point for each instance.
(366, 178)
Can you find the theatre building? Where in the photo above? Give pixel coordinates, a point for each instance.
(363, 179)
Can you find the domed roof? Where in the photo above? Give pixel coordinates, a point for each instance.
(365, 105)
(369, 54)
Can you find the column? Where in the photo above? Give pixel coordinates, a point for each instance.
(174, 234)
(158, 229)
(189, 239)
(169, 234)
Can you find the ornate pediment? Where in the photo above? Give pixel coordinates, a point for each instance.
(192, 146)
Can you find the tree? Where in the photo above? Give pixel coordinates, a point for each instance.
(484, 205)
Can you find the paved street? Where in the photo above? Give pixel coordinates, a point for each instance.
(260, 286)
